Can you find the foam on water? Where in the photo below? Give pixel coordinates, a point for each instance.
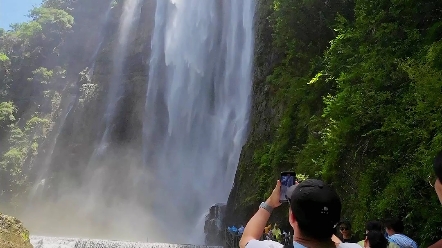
(57, 242)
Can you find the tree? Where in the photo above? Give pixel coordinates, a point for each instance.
(7, 111)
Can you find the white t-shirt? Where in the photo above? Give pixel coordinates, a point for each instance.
(273, 244)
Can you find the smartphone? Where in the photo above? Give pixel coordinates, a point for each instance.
(287, 179)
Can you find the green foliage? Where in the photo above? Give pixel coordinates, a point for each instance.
(42, 75)
(31, 85)
(55, 20)
(114, 3)
(45, 76)
(88, 92)
(7, 111)
(26, 30)
(23, 142)
(358, 89)
(59, 4)
(3, 58)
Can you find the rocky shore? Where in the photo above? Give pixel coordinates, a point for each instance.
(12, 233)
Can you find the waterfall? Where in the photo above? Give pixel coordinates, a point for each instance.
(197, 107)
(99, 46)
(44, 167)
(129, 17)
(72, 99)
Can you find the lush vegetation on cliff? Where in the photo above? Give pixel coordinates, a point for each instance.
(357, 92)
(39, 65)
(28, 92)
(351, 91)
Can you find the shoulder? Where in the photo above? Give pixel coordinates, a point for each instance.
(349, 245)
(437, 244)
(263, 244)
(392, 245)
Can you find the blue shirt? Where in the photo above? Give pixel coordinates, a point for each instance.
(402, 240)
(297, 245)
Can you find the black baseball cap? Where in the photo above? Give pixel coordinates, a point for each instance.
(315, 203)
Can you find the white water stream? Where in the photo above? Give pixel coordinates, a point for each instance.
(197, 107)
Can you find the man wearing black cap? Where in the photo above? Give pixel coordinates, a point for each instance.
(315, 210)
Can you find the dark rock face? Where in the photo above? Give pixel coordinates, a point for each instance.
(84, 125)
(213, 227)
(264, 118)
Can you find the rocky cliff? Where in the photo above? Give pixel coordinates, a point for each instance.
(60, 121)
(287, 107)
(247, 193)
(77, 139)
(337, 96)
(213, 227)
(12, 233)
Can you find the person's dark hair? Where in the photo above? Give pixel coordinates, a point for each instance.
(346, 223)
(377, 239)
(396, 224)
(316, 207)
(374, 225)
(437, 165)
(318, 233)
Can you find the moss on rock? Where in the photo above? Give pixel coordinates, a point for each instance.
(12, 233)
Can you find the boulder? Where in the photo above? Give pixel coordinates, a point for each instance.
(213, 227)
(12, 233)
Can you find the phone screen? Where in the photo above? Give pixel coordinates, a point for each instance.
(287, 179)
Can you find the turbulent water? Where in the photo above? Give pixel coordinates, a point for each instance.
(197, 107)
(51, 242)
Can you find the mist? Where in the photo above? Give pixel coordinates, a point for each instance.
(142, 121)
(106, 203)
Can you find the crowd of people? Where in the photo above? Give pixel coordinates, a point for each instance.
(389, 233)
(315, 213)
(270, 232)
(275, 234)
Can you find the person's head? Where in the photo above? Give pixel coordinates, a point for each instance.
(315, 209)
(436, 182)
(375, 239)
(393, 226)
(345, 228)
(373, 225)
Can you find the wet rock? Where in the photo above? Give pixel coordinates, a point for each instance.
(213, 227)
(12, 233)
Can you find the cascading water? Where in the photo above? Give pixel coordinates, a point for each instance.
(97, 50)
(197, 107)
(130, 16)
(44, 167)
(195, 124)
(72, 99)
